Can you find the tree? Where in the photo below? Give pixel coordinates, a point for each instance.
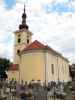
(4, 66)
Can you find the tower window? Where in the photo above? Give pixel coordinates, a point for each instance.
(52, 68)
(19, 35)
(18, 51)
(19, 40)
(27, 41)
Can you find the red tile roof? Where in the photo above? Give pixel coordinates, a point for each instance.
(14, 67)
(37, 45)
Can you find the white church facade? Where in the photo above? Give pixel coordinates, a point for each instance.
(36, 61)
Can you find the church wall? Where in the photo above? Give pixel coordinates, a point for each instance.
(51, 60)
(66, 71)
(23, 43)
(61, 68)
(32, 66)
(36, 62)
(23, 36)
(37, 65)
(13, 75)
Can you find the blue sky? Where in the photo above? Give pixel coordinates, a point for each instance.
(50, 7)
(59, 7)
(51, 21)
(9, 3)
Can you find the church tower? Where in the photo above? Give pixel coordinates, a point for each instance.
(22, 38)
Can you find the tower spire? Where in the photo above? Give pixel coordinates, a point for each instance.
(24, 8)
(23, 25)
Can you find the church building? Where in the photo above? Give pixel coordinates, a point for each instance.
(36, 61)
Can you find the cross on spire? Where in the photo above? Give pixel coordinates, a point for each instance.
(24, 8)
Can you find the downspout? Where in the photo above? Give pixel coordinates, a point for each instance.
(45, 67)
(19, 66)
(58, 69)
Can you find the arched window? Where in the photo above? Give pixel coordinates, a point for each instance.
(19, 40)
(52, 68)
(27, 41)
(19, 35)
(18, 51)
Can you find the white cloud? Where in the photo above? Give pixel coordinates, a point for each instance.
(62, 1)
(1, 1)
(51, 28)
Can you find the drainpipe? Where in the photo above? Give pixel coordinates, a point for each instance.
(58, 69)
(45, 65)
(19, 66)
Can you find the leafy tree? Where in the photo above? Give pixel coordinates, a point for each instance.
(4, 66)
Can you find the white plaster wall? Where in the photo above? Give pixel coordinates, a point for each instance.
(61, 68)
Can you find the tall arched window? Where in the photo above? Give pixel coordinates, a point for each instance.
(19, 40)
(27, 39)
(18, 51)
(52, 68)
